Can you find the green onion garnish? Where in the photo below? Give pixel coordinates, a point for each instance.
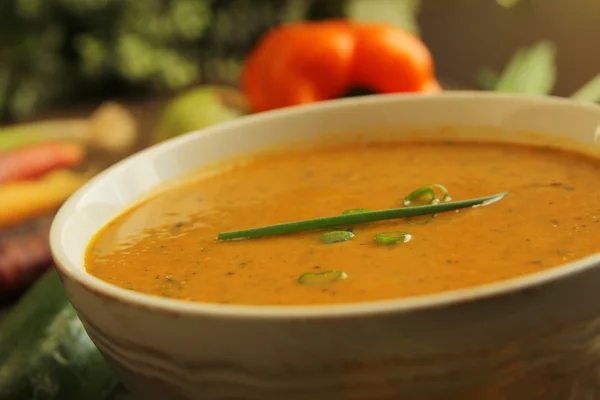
(359, 218)
(336, 236)
(355, 211)
(321, 278)
(392, 237)
(426, 195)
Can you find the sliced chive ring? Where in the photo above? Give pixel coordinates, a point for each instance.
(336, 236)
(392, 237)
(321, 278)
(445, 193)
(421, 196)
(426, 195)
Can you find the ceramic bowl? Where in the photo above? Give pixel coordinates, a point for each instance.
(535, 337)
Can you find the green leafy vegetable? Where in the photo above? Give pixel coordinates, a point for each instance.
(321, 278)
(589, 92)
(359, 218)
(336, 236)
(392, 237)
(531, 70)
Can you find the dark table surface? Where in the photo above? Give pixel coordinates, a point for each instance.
(3, 311)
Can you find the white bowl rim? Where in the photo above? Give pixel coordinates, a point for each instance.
(343, 310)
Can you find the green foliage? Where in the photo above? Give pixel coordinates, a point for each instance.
(531, 70)
(589, 92)
(56, 50)
(401, 13)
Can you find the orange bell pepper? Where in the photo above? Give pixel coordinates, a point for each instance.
(307, 62)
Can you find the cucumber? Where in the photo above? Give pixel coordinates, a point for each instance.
(45, 353)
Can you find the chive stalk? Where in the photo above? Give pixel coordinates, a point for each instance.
(357, 218)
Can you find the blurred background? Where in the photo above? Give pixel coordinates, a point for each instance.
(84, 83)
(57, 54)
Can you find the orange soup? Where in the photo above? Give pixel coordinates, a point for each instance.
(167, 246)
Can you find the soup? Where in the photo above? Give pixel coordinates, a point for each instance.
(167, 245)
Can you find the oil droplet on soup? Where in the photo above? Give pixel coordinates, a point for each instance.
(167, 247)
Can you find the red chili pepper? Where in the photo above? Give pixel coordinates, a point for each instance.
(36, 160)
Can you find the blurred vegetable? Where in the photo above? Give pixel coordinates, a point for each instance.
(388, 59)
(531, 70)
(18, 135)
(110, 127)
(313, 64)
(198, 108)
(45, 353)
(24, 200)
(23, 258)
(589, 92)
(32, 161)
(318, 61)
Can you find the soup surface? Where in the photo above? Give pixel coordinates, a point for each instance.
(167, 246)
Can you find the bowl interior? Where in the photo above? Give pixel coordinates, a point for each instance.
(111, 192)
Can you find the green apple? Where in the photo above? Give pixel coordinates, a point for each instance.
(199, 108)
